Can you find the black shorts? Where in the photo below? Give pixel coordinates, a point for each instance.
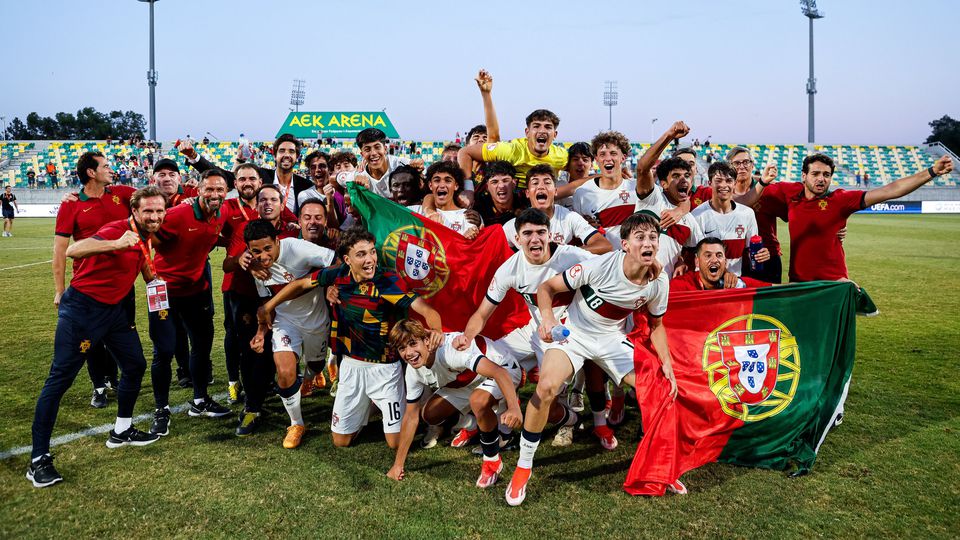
(9, 214)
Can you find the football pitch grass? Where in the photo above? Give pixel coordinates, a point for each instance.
(892, 469)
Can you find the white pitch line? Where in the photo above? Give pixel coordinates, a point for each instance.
(25, 265)
(70, 437)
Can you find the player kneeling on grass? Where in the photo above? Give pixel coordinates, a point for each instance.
(302, 325)
(609, 288)
(476, 378)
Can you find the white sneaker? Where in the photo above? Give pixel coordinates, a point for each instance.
(564, 437)
(430, 438)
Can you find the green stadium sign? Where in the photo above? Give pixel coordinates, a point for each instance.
(339, 125)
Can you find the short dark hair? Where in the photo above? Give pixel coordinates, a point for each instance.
(144, 193)
(452, 146)
(270, 186)
(340, 157)
(370, 135)
(721, 167)
(352, 237)
(212, 173)
(286, 137)
(88, 161)
(818, 158)
(498, 168)
(479, 128)
(533, 217)
(710, 240)
(405, 169)
(448, 167)
(638, 220)
(668, 165)
(579, 149)
(543, 115)
(259, 229)
(312, 200)
(685, 150)
(314, 155)
(246, 165)
(541, 168)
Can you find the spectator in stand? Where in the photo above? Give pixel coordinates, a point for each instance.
(206, 140)
(10, 209)
(31, 178)
(52, 174)
(450, 153)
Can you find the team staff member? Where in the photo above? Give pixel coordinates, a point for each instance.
(711, 269)
(98, 203)
(185, 240)
(286, 152)
(369, 298)
(10, 209)
(92, 312)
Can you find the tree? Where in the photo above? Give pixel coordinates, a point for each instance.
(87, 124)
(946, 131)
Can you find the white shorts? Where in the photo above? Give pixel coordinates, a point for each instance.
(460, 397)
(613, 353)
(524, 345)
(362, 382)
(308, 346)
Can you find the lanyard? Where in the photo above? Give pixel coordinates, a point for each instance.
(243, 210)
(145, 249)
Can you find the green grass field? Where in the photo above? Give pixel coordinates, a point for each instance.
(891, 470)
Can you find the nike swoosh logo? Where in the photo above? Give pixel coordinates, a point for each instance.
(191, 230)
(393, 423)
(237, 217)
(87, 209)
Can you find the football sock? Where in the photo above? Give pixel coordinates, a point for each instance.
(598, 402)
(197, 401)
(490, 442)
(291, 402)
(122, 424)
(528, 447)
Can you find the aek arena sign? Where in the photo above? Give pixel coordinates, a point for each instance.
(339, 125)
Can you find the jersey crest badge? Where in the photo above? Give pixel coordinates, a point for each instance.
(84, 346)
(739, 230)
(822, 204)
(116, 199)
(753, 366)
(624, 196)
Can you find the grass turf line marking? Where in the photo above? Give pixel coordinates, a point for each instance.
(25, 265)
(89, 432)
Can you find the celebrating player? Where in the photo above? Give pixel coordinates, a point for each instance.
(608, 289)
(609, 199)
(475, 378)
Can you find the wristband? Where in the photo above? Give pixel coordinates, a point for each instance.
(764, 184)
(932, 174)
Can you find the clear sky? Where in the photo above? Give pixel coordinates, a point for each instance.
(734, 70)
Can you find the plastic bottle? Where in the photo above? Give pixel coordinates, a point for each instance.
(756, 244)
(559, 333)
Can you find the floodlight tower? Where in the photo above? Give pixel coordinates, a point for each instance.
(610, 96)
(152, 79)
(298, 93)
(810, 11)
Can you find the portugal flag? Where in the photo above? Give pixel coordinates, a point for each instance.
(450, 272)
(762, 375)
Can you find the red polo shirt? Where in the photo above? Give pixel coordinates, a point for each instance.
(815, 251)
(186, 238)
(690, 281)
(236, 215)
(771, 206)
(700, 195)
(181, 194)
(108, 277)
(85, 216)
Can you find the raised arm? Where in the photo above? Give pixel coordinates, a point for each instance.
(649, 158)
(89, 247)
(467, 156)
(485, 84)
(909, 184)
(752, 195)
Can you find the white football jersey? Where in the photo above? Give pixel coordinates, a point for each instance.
(564, 227)
(452, 219)
(297, 259)
(734, 228)
(605, 298)
(451, 368)
(685, 233)
(520, 275)
(610, 207)
(382, 186)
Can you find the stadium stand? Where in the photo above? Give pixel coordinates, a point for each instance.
(882, 163)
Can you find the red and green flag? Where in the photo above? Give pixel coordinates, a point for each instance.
(762, 376)
(450, 272)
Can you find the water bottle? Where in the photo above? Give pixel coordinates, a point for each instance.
(559, 333)
(756, 244)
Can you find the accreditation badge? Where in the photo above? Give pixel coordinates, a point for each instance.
(157, 298)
